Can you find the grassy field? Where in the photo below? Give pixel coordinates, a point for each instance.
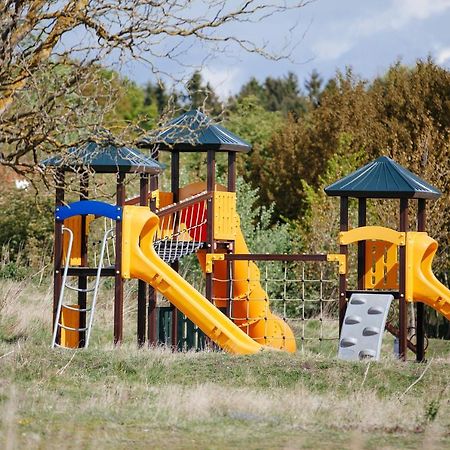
(129, 398)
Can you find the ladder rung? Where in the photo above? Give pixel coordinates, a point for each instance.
(73, 288)
(72, 329)
(76, 309)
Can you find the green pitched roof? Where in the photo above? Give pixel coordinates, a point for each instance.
(194, 131)
(383, 178)
(104, 158)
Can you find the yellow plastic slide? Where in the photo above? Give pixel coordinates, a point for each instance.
(421, 283)
(251, 306)
(139, 260)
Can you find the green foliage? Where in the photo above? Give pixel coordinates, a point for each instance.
(13, 270)
(277, 94)
(432, 409)
(257, 223)
(320, 222)
(134, 105)
(26, 225)
(313, 88)
(202, 96)
(251, 121)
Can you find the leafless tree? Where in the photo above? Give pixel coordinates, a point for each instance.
(51, 91)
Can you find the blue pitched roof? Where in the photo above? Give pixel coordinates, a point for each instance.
(194, 131)
(104, 158)
(383, 178)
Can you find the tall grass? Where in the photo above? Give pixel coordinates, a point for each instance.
(104, 397)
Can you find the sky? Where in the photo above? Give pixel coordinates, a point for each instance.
(367, 35)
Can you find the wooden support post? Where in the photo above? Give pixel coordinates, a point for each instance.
(58, 247)
(142, 285)
(420, 307)
(403, 306)
(175, 188)
(343, 249)
(210, 186)
(118, 289)
(151, 312)
(230, 264)
(362, 222)
(231, 171)
(82, 279)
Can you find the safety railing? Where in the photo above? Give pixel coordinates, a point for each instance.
(182, 227)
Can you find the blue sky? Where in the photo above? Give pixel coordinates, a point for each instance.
(330, 35)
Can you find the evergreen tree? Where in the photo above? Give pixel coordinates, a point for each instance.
(201, 96)
(313, 88)
(276, 94)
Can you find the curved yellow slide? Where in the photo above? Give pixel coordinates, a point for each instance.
(421, 283)
(251, 305)
(139, 260)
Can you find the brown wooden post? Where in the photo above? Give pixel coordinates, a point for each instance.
(343, 249)
(118, 289)
(403, 307)
(151, 312)
(231, 171)
(82, 279)
(230, 264)
(362, 222)
(420, 307)
(58, 247)
(142, 285)
(210, 186)
(175, 188)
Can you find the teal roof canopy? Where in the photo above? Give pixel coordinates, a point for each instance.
(193, 131)
(383, 178)
(104, 157)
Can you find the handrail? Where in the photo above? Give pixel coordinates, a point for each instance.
(176, 207)
(136, 200)
(372, 233)
(86, 207)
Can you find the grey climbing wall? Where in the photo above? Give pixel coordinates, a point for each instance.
(363, 327)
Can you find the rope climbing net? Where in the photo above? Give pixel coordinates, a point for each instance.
(304, 294)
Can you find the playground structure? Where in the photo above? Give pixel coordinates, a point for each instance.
(235, 312)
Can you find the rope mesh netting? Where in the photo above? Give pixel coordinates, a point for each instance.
(302, 294)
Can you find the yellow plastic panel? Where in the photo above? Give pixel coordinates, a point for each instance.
(372, 233)
(225, 223)
(162, 198)
(74, 223)
(70, 318)
(339, 258)
(381, 265)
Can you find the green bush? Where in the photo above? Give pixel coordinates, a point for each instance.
(26, 225)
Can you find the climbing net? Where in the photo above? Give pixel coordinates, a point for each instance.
(304, 294)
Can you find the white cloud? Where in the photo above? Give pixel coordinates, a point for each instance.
(331, 49)
(224, 81)
(443, 55)
(394, 17)
(400, 14)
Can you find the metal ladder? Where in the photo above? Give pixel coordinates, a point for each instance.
(93, 289)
